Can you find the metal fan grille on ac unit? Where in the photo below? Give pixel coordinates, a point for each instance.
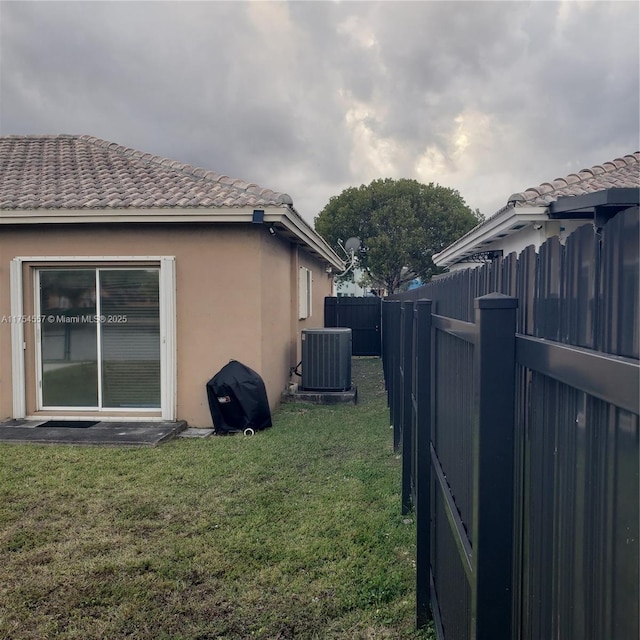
(326, 359)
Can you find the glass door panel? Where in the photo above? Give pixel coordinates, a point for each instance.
(68, 341)
(130, 337)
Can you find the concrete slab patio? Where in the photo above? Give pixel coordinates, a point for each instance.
(148, 434)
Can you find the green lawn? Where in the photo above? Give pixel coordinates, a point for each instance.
(293, 533)
(128, 383)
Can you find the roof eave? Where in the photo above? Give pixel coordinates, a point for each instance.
(505, 222)
(126, 215)
(282, 215)
(299, 229)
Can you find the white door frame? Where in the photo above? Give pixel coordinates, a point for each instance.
(167, 294)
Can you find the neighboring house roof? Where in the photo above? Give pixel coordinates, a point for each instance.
(618, 174)
(620, 178)
(82, 179)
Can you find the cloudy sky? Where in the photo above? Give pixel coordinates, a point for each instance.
(309, 98)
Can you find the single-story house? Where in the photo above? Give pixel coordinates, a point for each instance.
(127, 280)
(557, 208)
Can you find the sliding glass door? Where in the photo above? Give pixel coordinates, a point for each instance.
(99, 338)
(69, 348)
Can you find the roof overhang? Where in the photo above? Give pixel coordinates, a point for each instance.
(588, 205)
(509, 220)
(299, 231)
(598, 206)
(284, 219)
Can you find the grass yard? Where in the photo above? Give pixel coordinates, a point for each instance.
(293, 533)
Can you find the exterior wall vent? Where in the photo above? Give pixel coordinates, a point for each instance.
(326, 359)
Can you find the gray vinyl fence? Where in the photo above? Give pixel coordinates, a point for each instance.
(513, 394)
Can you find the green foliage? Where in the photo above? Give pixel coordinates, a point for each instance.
(401, 224)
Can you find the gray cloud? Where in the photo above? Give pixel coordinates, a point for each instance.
(311, 97)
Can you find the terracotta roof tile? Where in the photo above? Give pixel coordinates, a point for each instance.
(622, 172)
(84, 172)
(572, 178)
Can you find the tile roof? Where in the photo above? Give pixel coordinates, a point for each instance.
(619, 173)
(83, 172)
(622, 172)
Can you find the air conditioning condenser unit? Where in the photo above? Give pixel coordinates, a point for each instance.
(326, 359)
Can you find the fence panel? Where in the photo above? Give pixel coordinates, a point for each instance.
(575, 447)
(618, 332)
(451, 459)
(454, 407)
(362, 316)
(618, 329)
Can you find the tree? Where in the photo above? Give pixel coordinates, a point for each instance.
(401, 224)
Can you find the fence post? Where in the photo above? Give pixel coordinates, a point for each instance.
(493, 494)
(390, 362)
(384, 333)
(422, 402)
(406, 405)
(396, 388)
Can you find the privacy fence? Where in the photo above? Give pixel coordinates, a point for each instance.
(513, 393)
(362, 316)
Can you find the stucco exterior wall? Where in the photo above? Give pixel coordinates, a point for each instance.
(235, 296)
(277, 297)
(322, 285)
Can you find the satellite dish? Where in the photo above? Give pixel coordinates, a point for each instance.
(352, 245)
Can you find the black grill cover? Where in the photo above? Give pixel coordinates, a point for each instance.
(238, 399)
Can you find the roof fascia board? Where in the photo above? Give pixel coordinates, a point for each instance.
(229, 215)
(93, 216)
(488, 230)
